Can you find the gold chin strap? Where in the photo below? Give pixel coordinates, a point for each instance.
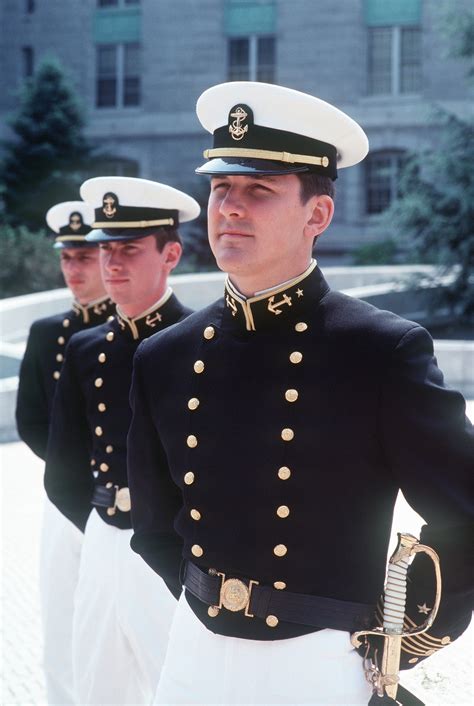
(133, 224)
(266, 154)
(64, 238)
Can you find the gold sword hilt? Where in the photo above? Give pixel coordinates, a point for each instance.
(385, 680)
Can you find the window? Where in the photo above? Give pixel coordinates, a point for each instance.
(382, 179)
(251, 59)
(394, 60)
(118, 75)
(28, 61)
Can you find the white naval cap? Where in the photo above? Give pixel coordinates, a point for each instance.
(71, 222)
(127, 207)
(263, 128)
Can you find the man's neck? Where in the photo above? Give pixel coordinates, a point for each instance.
(136, 310)
(251, 288)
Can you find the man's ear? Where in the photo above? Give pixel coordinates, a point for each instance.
(172, 252)
(321, 211)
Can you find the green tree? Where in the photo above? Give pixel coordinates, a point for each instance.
(435, 211)
(29, 262)
(41, 164)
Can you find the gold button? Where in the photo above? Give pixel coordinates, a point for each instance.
(66, 323)
(59, 358)
(61, 340)
(110, 318)
(283, 511)
(102, 358)
(301, 326)
(445, 640)
(209, 332)
(56, 375)
(287, 434)
(296, 357)
(192, 441)
(104, 467)
(98, 431)
(98, 382)
(101, 407)
(109, 449)
(198, 366)
(279, 585)
(92, 461)
(413, 660)
(110, 336)
(193, 403)
(197, 550)
(291, 395)
(284, 473)
(271, 621)
(189, 478)
(195, 514)
(213, 611)
(280, 550)
(109, 485)
(110, 511)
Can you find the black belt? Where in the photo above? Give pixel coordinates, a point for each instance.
(111, 497)
(273, 604)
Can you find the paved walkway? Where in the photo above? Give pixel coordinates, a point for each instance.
(445, 679)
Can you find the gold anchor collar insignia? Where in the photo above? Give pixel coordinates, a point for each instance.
(95, 311)
(148, 322)
(268, 305)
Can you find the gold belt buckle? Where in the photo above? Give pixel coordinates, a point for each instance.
(122, 501)
(235, 595)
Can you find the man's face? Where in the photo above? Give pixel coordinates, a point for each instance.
(75, 221)
(135, 273)
(257, 229)
(81, 272)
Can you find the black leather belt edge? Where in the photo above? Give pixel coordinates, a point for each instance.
(103, 497)
(317, 611)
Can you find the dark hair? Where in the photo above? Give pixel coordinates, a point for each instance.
(312, 184)
(166, 234)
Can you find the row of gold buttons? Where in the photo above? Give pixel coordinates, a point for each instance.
(101, 406)
(60, 356)
(284, 473)
(192, 441)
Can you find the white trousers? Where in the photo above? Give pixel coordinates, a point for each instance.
(204, 668)
(60, 553)
(122, 615)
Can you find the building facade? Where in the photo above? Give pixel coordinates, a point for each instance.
(139, 66)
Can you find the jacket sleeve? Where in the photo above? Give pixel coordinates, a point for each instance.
(429, 447)
(155, 498)
(32, 412)
(68, 479)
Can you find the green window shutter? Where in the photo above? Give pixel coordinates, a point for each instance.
(385, 13)
(244, 17)
(117, 26)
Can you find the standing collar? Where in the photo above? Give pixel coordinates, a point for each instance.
(96, 311)
(160, 315)
(277, 306)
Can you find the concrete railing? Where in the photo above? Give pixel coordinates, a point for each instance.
(387, 287)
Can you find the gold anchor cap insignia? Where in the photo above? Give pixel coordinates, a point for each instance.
(236, 127)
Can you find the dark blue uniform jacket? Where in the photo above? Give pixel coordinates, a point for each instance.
(269, 439)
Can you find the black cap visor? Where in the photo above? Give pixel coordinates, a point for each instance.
(62, 244)
(109, 235)
(239, 166)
